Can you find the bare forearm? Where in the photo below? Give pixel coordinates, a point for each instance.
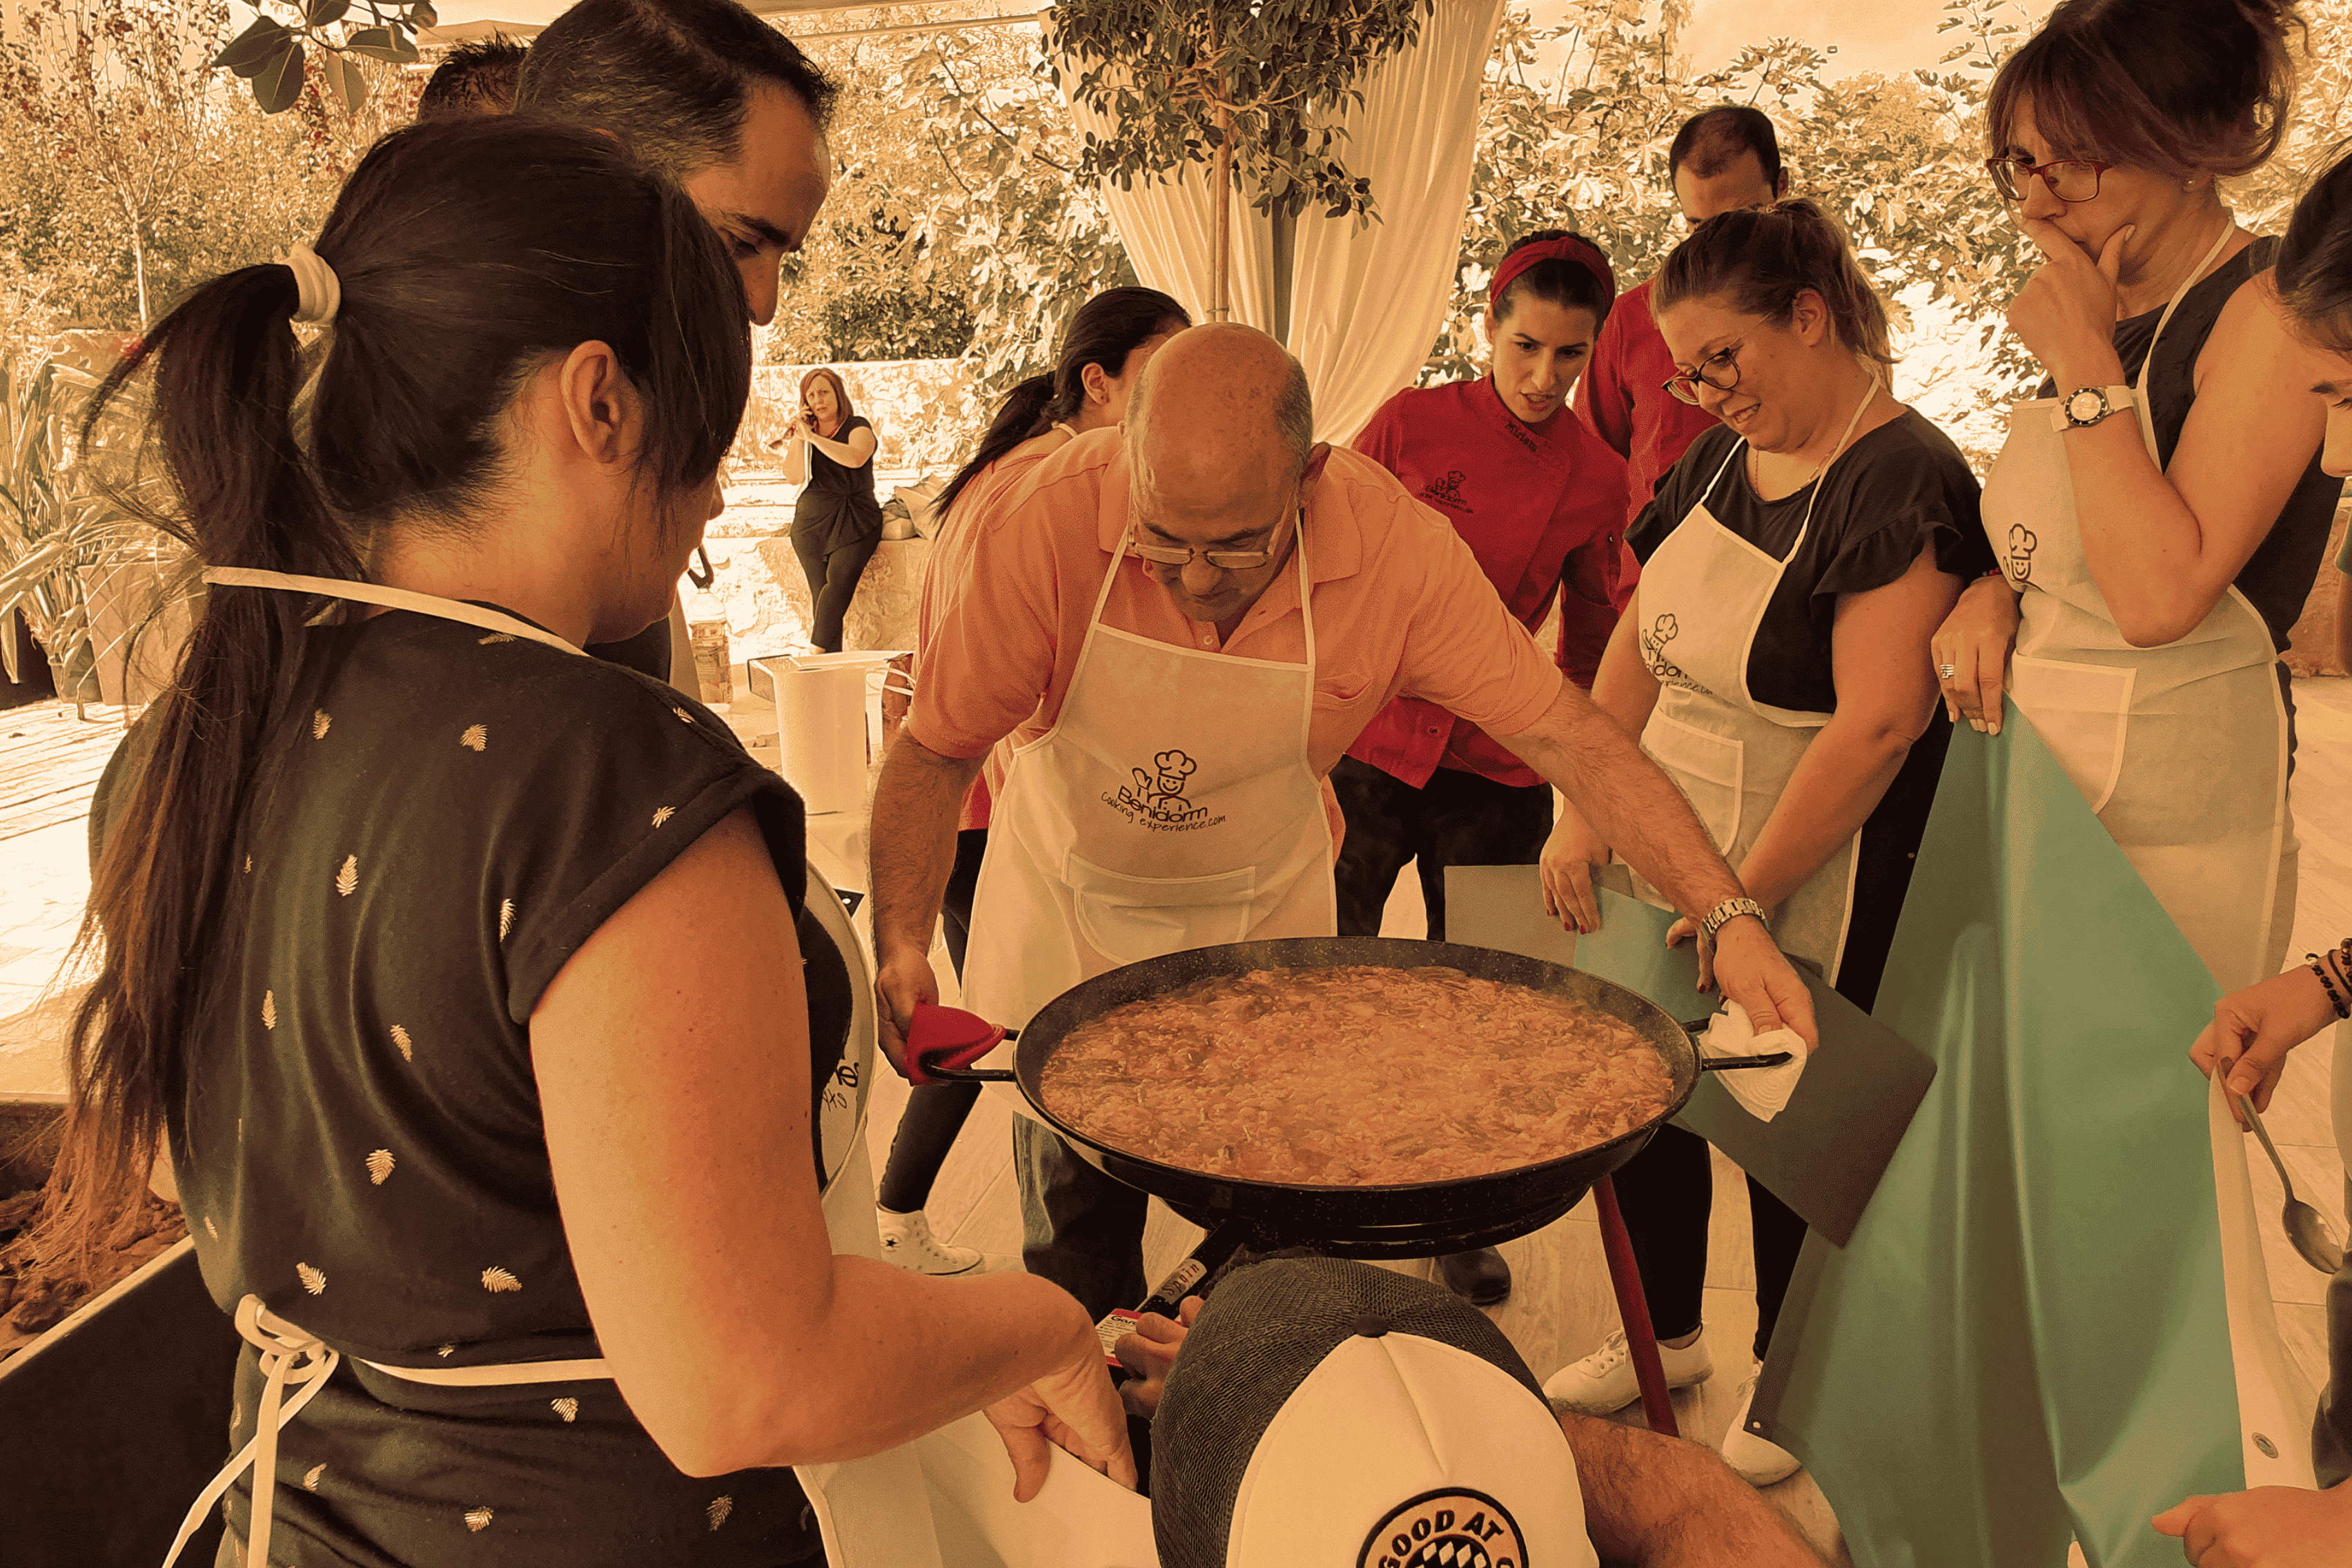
(845, 453)
(1836, 785)
(916, 802)
(1625, 689)
(2142, 544)
(1664, 1502)
(930, 1352)
(1628, 800)
(795, 462)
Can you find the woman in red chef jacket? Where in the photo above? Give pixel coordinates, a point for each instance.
(1541, 501)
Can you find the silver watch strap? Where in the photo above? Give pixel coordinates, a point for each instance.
(1730, 910)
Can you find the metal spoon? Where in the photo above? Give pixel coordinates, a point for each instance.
(2304, 1229)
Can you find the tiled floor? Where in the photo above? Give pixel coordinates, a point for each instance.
(1561, 1307)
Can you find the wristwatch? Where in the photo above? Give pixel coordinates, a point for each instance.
(1730, 910)
(2086, 405)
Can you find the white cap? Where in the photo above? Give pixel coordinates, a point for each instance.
(1326, 1414)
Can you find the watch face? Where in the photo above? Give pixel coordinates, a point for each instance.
(2085, 407)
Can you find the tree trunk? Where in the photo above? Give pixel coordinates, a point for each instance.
(139, 269)
(1222, 244)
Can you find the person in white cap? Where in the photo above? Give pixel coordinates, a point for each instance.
(1325, 1414)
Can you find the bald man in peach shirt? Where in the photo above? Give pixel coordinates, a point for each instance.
(1173, 718)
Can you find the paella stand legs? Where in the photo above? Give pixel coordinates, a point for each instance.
(1634, 1311)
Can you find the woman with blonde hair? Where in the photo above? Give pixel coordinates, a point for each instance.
(836, 522)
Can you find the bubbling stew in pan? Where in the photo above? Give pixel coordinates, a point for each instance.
(1354, 1075)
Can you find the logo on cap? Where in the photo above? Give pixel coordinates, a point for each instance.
(1455, 1527)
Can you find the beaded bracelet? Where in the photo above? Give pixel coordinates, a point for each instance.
(2334, 997)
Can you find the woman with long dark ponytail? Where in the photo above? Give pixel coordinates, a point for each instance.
(1111, 339)
(470, 983)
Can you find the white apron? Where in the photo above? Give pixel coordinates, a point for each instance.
(1172, 805)
(2182, 749)
(872, 1512)
(1703, 597)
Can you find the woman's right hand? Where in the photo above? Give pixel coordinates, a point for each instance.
(1568, 856)
(1975, 641)
(2252, 1031)
(1073, 1407)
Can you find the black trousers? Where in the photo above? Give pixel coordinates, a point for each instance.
(1666, 1193)
(833, 578)
(936, 1112)
(1458, 818)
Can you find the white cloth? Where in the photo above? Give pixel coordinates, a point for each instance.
(1172, 805)
(1703, 595)
(1366, 301)
(2182, 749)
(1763, 1092)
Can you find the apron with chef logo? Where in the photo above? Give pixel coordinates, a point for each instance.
(1171, 806)
(1703, 596)
(2181, 749)
(871, 1512)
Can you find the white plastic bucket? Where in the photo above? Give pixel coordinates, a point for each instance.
(828, 723)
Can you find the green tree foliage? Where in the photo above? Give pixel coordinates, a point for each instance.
(130, 173)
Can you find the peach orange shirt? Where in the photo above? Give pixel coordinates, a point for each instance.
(950, 554)
(1401, 607)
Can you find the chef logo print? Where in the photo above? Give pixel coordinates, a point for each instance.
(1455, 1527)
(2022, 542)
(1661, 632)
(1446, 492)
(1155, 800)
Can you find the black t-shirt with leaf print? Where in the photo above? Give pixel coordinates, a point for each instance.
(439, 822)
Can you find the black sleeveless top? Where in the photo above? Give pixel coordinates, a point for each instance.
(2277, 577)
(837, 505)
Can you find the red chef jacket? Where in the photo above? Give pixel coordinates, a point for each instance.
(1538, 506)
(1624, 398)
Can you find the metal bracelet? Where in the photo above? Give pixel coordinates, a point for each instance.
(1730, 910)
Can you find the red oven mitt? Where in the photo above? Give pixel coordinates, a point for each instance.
(946, 1036)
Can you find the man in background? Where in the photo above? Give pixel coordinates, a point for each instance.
(1721, 159)
(704, 91)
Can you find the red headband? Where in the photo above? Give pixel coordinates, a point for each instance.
(1582, 252)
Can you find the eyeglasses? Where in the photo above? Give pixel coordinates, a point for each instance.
(1223, 560)
(2069, 179)
(1720, 370)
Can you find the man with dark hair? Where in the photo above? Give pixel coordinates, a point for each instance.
(475, 78)
(711, 96)
(722, 102)
(1721, 159)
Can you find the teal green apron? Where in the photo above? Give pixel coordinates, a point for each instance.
(2025, 1340)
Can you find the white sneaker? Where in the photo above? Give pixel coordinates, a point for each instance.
(1604, 1381)
(908, 1241)
(1754, 1460)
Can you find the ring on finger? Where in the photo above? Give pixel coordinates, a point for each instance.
(1944, 672)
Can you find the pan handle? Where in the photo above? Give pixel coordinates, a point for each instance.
(933, 1065)
(937, 1072)
(1722, 1064)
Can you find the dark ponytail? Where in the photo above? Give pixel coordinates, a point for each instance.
(2314, 260)
(1107, 329)
(1762, 259)
(468, 252)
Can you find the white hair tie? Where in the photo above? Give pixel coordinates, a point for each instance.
(322, 291)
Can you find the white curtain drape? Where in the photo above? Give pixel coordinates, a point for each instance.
(1365, 303)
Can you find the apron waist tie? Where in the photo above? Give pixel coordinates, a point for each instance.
(294, 1359)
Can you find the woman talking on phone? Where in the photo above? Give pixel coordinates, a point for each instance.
(836, 522)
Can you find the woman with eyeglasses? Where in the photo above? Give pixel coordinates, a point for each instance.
(2159, 510)
(1773, 661)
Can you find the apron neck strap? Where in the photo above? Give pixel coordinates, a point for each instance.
(2147, 360)
(1844, 436)
(390, 598)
